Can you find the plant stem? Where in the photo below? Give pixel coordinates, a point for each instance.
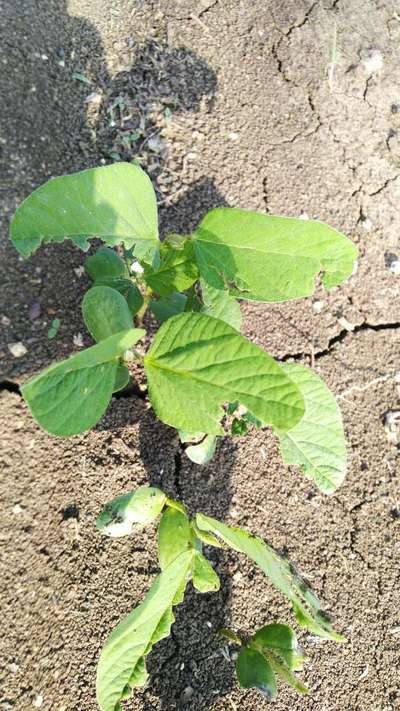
(146, 300)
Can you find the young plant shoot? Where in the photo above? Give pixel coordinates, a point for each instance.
(273, 651)
(204, 378)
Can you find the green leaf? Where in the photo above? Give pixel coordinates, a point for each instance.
(238, 427)
(205, 579)
(105, 263)
(174, 536)
(53, 330)
(177, 270)
(281, 639)
(134, 299)
(71, 396)
(283, 576)
(220, 304)
(139, 678)
(134, 637)
(317, 443)
(269, 258)
(169, 306)
(136, 508)
(196, 363)
(122, 378)
(203, 452)
(254, 672)
(105, 312)
(116, 203)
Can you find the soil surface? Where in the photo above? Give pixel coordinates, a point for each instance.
(285, 107)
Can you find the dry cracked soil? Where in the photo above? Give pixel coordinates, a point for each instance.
(284, 107)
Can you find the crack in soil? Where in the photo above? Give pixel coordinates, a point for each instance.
(339, 338)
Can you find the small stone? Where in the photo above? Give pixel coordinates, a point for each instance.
(79, 271)
(304, 216)
(346, 324)
(94, 98)
(13, 668)
(17, 350)
(78, 340)
(5, 321)
(395, 267)
(38, 702)
(187, 694)
(373, 61)
(156, 144)
(35, 310)
(17, 509)
(233, 136)
(318, 306)
(237, 576)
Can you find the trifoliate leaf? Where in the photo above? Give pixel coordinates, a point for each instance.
(177, 270)
(317, 443)
(116, 203)
(71, 396)
(269, 258)
(197, 363)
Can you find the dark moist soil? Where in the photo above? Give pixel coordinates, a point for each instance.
(290, 108)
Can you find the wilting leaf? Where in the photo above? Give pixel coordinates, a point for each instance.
(139, 508)
(203, 452)
(306, 605)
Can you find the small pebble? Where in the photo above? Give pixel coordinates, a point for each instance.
(304, 216)
(187, 694)
(373, 62)
(17, 509)
(78, 340)
(38, 702)
(79, 271)
(14, 668)
(5, 321)
(395, 267)
(234, 136)
(17, 349)
(35, 310)
(318, 306)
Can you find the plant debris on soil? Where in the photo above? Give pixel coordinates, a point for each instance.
(289, 108)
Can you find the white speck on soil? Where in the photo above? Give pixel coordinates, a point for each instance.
(318, 306)
(79, 271)
(5, 321)
(17, 349)
(17, 509)
(392, 425)
(303, 216)
(395, 267)
(346, 324)
(38, 702)
(78, 340)
(234, 136)
(373, 62)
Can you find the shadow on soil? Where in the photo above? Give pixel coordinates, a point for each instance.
(51, 127)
